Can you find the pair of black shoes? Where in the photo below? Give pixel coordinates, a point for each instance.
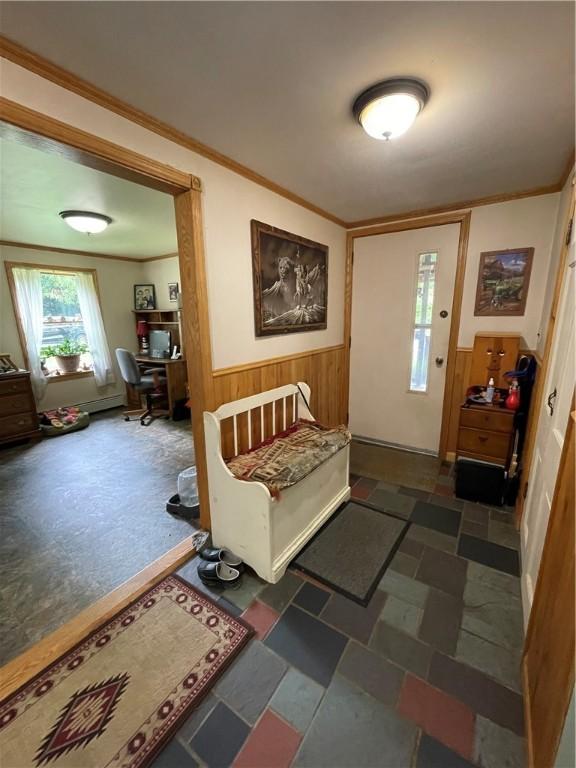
(219, 567)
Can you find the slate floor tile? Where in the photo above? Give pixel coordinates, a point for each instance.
(404, 564)
(353, 619)
(440, 489)
(402, 649)
(198, 716)
(416, 493)
(482, 694)
(493, 614)
(249, 587)
(308, 644)
(371, 673)
(441, 519)
(296, 699)
(412, 547)
(261, 617)
(174, 756)
(406, 589)
(440, 715)
(476, 513)
(448, 501)
(390, 501)
(234, 610)
(480, 530)
(487, 553)
(311, 598)
(443, 571)
(431, 538)
(272, 744)
(402, 615)
(433, 754)
(494, 579)
(387, 486)
(363, 488)
(504, 534)
(500, 663)
(250, 682)
(503, 516)
(353, 730)
(440, 625)
(208, 744)
(496, 747)
(278, 595)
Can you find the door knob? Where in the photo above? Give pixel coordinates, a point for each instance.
(439, 361)
(443, 313)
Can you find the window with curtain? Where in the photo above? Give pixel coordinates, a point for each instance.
(61, 324)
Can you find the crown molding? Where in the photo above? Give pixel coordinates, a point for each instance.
(33, 62)
(19, 55)
(75, 252)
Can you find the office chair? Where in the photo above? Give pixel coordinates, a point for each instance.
(146, 381)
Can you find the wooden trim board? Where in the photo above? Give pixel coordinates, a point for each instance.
(463, 219)
(274, 361)
(62, 77)
(91, 254)
(49, 135)
(21, 56)
(23, 668)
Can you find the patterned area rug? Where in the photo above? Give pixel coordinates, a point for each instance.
(119, 694)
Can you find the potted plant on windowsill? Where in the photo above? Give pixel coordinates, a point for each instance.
(66, 354)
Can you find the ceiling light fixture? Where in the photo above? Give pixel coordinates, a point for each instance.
(388, 109)
(84, 221)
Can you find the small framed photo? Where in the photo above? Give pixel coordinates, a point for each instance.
(503, 281)
(173, 291)
(144, 296)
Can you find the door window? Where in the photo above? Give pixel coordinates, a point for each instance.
(422, 328)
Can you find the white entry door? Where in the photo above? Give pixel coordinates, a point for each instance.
(552, 422)
(402, 291)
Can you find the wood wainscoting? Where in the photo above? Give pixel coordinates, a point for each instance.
(324, 370)
(462, 368)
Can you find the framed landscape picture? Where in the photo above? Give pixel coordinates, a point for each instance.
(290, 276)
(503, 281)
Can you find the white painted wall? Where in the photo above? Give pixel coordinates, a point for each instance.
(160, 273)
(527, 223)
(115, 280)
(566, 755)
(230, 202)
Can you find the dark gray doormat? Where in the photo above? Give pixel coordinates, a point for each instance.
(352, 551)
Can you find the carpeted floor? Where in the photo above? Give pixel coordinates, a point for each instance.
(81, 514)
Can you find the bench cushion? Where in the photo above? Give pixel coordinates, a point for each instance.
(288, 457)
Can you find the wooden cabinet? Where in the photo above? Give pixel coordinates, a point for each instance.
(18, 418)
(486, 432)
(492, 355)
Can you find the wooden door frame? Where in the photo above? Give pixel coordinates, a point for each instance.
(50, 135)
(539, 393)
(463, 219)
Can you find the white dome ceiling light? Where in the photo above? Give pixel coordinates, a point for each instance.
(86, 222)
(388, 109)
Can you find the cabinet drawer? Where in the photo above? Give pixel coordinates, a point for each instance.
(12, 404)
(12, 386)
(18, 424)
(489, 444)
(494, 421)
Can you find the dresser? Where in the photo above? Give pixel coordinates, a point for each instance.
(18, 417)
(486, 432)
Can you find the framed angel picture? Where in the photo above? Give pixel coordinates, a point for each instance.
(290, 275)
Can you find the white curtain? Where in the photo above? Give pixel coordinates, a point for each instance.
(30, 310)
(94, 329)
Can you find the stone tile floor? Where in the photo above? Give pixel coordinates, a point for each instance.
(426, 676)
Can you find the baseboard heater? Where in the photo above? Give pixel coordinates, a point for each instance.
(103, 404)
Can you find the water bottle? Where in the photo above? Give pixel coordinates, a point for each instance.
(490, 391)
(187, 487)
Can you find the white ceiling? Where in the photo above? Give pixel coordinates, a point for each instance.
(271, 85)
(36, 186)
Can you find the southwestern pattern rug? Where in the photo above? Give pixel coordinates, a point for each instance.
(115, 698)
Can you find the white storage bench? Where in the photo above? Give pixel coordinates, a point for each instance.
(267, 532)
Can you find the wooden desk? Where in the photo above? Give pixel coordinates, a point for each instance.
(175, 381)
